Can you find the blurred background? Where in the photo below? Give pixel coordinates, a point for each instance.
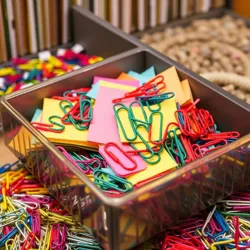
(210, 37)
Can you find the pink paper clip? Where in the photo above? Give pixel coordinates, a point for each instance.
(116, 159)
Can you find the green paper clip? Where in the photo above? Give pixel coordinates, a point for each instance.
(60, 126)
(132, 116)
(161, 121)
(123, 107)
(85, 104)
(64, 108)
(115, 182)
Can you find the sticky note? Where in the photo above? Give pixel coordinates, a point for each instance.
(134, 82)
(21, 142)
(96, 83)
(187, 91)
(168, 108)
(144, 76)
(124, 76)
(117, 167)
(172, 81)
(70, 135)
(103, 127)
(37, 117)
(166, 163)
(150, 72)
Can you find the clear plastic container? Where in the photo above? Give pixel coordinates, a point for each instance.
(121, 223)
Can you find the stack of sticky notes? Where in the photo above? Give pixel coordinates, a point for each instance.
(126, 131)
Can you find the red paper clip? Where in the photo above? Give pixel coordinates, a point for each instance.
(222, 135)
(28, 241)
(114, 158)
(200, 150)
(45, 127)
(151, 88)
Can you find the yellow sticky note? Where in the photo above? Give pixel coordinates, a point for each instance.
(166, 163)
(168, 108)
(131, 227)
(124, 76)
(187, 91)
(22, 142)
(172, 81)
(116, 86)
(70, 135)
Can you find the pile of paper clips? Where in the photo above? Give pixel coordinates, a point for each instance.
(147, 141)
(225, 226)
(31, 219)
(21, 73)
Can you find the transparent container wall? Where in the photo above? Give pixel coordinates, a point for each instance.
(57, 177)
(123, 223)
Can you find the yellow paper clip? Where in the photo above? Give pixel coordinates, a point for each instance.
(26, 66)
(34, 191)
(27, 227)
(45, 241)
(6, 71)
(53, 60)
(34, 61)
(10, 89)
(225, 242)
(9, 244)
(59, 72)
(4, 203)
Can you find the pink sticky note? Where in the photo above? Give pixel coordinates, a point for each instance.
(118, 168)
(103, 127)
(133, 83)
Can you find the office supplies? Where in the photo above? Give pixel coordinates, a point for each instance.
(124, 76)
(28, 226)
(141, 132)
(22, 73)
(103, 118)
(95, 87)
(144, 76)
(70, 134)
(120, 161)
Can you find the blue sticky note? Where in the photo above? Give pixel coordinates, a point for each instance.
(36, 115)
(144, 76)
(94, 90)
(149, 73)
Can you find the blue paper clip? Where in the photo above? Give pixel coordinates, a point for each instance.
(7, 167)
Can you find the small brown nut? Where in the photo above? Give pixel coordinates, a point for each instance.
(240, 94)
(239, 69)
(206, 63)
(229, 87)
